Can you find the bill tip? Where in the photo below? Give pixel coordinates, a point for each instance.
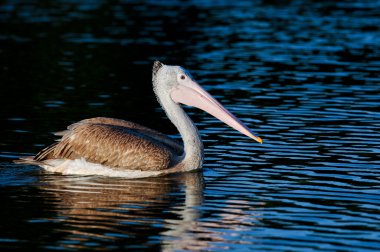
(260, 140)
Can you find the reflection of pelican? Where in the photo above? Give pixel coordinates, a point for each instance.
(112, 146)
(103, 211)
(166, 214)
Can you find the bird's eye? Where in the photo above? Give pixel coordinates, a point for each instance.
(183, 77)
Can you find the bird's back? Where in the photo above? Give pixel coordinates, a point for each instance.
(114, 143)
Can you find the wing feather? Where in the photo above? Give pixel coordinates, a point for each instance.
(111, 145)
(162, 138)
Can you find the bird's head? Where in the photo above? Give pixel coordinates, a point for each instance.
(176, 84)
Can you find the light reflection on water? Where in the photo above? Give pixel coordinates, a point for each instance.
(303, 76)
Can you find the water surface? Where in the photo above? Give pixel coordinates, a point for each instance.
(304, 76)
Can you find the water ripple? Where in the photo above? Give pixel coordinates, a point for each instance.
(303, 76)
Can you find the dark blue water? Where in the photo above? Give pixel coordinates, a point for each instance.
(304, 75)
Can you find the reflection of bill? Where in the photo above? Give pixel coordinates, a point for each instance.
(194, 233)
(100, 210)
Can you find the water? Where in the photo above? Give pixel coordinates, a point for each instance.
(304, 75)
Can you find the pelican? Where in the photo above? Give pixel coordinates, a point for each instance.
(114, 147)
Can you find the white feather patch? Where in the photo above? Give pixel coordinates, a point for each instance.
(82, 167)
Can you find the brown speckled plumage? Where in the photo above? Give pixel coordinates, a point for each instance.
(115, 143)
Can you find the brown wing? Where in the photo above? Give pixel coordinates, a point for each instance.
(167, 141)
(110, 145)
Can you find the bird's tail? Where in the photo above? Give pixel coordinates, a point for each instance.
(28, 160)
